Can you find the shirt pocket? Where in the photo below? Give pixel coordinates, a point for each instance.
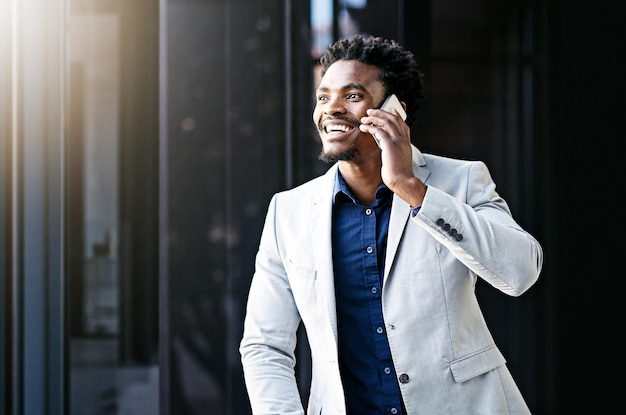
(476, 364)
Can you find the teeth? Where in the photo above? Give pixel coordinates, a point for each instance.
(340, 128)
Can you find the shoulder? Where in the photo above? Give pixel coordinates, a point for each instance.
(434, 161)
(462, 167)
(312, 187)
(437, 160)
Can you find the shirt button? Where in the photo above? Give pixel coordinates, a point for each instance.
(369, 249)
(403, 378)
(379, 330)
(374, 290)
(387, 371)
(368, 211)
(394, 411)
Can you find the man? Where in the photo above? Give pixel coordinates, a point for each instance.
(379, 258)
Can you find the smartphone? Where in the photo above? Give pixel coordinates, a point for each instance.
(393, 102)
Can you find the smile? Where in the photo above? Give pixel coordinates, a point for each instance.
(337, 128)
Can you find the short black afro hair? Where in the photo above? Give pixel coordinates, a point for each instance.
(399, 71)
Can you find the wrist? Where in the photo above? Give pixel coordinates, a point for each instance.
(416, 193)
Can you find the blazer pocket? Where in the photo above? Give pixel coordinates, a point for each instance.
(299, 271)
(476, 364)
(303, 283)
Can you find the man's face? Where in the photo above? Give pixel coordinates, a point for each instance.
(346, 91)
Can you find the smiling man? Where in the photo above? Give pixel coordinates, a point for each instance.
(379, 258)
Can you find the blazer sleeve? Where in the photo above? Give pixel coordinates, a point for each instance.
(269, 338)
(476, 225)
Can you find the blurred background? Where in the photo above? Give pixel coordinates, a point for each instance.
(141, 140)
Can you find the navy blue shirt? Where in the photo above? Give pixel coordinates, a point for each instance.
(359, 237)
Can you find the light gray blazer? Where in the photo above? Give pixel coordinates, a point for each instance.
(443, 352)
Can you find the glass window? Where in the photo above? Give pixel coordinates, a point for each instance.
(112, 367)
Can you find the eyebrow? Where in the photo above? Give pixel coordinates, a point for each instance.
(360, 87)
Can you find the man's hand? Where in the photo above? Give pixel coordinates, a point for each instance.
(393, 136)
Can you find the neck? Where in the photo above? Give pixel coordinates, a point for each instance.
(362, 180)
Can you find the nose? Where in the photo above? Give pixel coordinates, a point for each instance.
(334, 106)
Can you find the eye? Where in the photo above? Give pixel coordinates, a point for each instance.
(322, 98)
(353, 96)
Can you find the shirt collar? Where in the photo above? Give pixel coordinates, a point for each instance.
(341, 190)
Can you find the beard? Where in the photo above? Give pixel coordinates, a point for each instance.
(345, 155)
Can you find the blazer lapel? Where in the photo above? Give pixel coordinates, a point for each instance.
(321, 222)
(400, 213)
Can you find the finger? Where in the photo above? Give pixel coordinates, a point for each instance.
(369, 128)
(376, 139)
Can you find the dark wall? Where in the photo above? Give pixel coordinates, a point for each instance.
(586, 129)
(226, 152)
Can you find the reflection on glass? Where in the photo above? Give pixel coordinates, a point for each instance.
(100, 381)
(322, 22)
(321, 26)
